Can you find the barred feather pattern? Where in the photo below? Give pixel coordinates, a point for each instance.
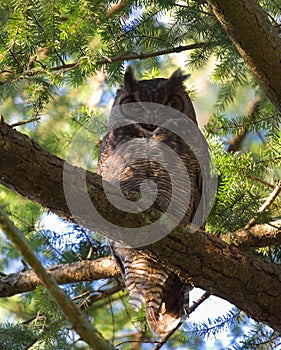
(165, 297)
(148, 282)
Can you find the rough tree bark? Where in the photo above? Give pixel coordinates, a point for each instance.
(204, 260)
(90, 270)
(256, 39)
(86, 270)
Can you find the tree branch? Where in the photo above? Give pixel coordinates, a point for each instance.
(142, 56)
(115, 8)
(105, 60)
(256, 39)
(269, 201)
(78, 320)
(256, 237)
(134, 56)
(86, 270)
(236, 142)
(198, 258)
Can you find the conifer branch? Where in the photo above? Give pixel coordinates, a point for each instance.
(142, 56)
(106, 60)
(236, 142)
(23, 122)
(258, 236)
(257, 179)
(134, 56)
(268, 202)
(74, 315)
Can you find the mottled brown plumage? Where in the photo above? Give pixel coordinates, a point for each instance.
(148, 282)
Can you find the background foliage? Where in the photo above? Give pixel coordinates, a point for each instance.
(60, 63)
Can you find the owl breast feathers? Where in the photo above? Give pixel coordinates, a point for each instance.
(150, 283)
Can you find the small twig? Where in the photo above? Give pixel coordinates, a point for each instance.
(193, 307)
(134, 341)
(116, 7)
(252, 177)
(104, 294)
(23, 122)
(236, 141)
(67, 66)
(271, 198)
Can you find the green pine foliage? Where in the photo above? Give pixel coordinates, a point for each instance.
(17, 336)
(260, 337)
(212, 327)
(239, 195)
(49, 54)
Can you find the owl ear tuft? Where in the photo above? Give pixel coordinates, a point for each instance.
(177, 78)
(130, 81)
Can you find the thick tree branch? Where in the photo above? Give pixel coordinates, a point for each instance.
(86, 270)
(201, 259)
(257, 236)
(256, 39)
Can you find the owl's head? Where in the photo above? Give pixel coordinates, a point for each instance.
(170, 92)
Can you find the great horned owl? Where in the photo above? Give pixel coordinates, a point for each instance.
(148, 282)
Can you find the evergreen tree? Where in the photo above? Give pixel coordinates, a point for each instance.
(54, 57)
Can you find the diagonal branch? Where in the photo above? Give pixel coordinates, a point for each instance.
(78, 320)
(268, 202)
(133, 56)
(142, 56)
(236, 142)
(198, 258)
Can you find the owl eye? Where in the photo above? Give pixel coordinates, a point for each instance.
(127, 99)
(176, 102)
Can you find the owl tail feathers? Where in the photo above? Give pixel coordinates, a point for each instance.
(160, 320)
(171, 312)
(166, 305)
(161, 323)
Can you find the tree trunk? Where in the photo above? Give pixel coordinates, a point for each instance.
(201, 259)
(256, 39)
